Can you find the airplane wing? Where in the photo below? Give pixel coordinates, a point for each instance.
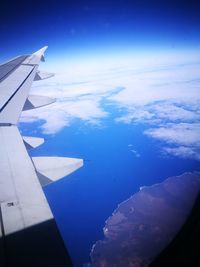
(22, 201)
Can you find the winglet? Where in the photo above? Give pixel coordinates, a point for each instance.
(36, 57)
(40, 53)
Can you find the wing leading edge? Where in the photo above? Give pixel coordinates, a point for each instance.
(15, 85)
(22, 201)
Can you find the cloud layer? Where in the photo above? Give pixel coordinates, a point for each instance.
(164, 94)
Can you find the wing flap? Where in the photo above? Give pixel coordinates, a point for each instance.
(35, 101)
(55, 168)
(42, 75)
(32, 142)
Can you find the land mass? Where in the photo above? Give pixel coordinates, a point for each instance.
(145, 224)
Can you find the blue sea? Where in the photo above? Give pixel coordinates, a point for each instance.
(118, 160)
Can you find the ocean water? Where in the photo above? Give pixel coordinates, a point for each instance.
(118, 160)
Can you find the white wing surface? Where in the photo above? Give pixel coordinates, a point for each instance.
(22, 201)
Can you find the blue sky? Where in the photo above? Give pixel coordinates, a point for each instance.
(73, 27)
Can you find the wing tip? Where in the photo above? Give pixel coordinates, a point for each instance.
(41, 51)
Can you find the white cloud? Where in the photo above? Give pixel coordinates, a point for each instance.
(145, 88)
(136, 115)
(184, 137)
(76, 99)
(156, 113)
(187, 134)
(161, 90)
(183, 152)
(60, 114)
(173, 112)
